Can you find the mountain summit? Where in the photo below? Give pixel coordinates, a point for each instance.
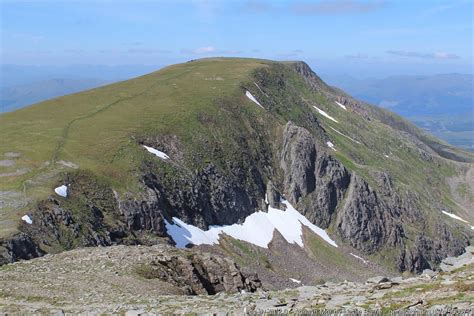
(253, 159)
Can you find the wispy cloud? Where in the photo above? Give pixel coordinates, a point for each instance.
(328, 7)
(199, 51)
(256, 6)
(291, 54)
(204, 50)
(133, 44)
(210, 50)
(436, 55)
(147, 51)
(357, 56)
(321, 7)
(74, 51)
(28, 37)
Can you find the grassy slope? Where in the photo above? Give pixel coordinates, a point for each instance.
(95, 129)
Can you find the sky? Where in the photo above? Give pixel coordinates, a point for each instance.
(360, 38)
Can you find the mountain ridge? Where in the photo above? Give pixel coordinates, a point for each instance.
(369, 189)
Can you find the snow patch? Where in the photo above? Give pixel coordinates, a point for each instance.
(341, 105)
(252, 98)
(61, 190)
(257, 229)
(331, 145)
(266, 198)
(260, 89)
(360, 258)
(27, 219)
(472, 227)
(355, 141)
(68, 164)
(325, 114)
(295, 280)
(455, 216)
(157, 153)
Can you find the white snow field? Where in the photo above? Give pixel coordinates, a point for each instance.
(61, 190)
(455, 217)
(325, 114)
(27, 219)
(257, 229)
(342, 134)
(331, 145)
(252, 98)
(157, 153)
(360, 258)
(295, 280)
(341, 105)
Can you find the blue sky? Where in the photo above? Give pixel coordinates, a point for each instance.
(364, 38)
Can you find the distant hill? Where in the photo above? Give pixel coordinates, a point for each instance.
(15, 97)
(439, 104)
(15, 75)
(412, 95)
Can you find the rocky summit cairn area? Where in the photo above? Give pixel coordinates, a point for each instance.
(161, 279)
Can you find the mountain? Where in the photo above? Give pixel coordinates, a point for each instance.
(413, 95)
(16, 97)
(255, 161)
(18, 75)
(441, 104)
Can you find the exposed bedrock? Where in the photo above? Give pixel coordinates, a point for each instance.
(18, 247)
(201, 273)
(313, 181)
(369, 220)
(205, 198)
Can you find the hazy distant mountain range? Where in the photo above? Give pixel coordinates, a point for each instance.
(22, 85)
(441, 104)
(16, 97)
(412, 95)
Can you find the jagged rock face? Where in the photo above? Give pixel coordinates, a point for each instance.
(273, 196)
(297, 160)
(365, 222)
(426, 252)
(205, 198)
(19, 247)
(313, 181)
(367, 219)
(200, 274)
(146, 213)
(311, 78)
(58, 228)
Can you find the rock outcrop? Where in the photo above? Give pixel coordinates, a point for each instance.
(200, 274)
(367, 219)
(18, 247)
(313, 181)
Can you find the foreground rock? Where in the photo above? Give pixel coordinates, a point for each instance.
(141, 279)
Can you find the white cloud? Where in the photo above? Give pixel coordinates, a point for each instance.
(204, 50)
(436, 55)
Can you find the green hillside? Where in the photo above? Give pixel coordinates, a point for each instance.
(198, 113)
(98, 129)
